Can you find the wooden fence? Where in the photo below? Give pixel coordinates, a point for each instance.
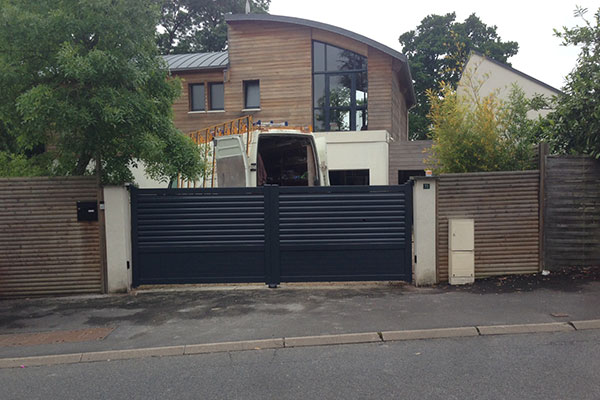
(505, 207)
(43, 248)
(571, 212)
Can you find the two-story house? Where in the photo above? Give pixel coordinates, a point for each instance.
(306, 73)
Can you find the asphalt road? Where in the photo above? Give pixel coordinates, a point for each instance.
(534, 366)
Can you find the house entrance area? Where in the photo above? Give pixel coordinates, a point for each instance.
(271, 234)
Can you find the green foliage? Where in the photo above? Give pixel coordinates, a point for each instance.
(21, 165)
(83, 79)
(188, 26)
(574, 126)
(487, 134)
(438, 49)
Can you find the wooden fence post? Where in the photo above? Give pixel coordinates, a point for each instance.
(543, 150)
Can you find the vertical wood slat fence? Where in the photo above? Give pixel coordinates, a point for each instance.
(571, 212)
(505, 206)
(44, 250)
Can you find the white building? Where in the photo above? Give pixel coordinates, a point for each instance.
(491, 76)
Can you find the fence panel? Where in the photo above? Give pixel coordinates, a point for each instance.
(572, 212)
(43, 248)
(505, 207)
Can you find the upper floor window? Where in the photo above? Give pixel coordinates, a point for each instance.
(197, 97)
(217, 96)
(251, 94)
(339, 89)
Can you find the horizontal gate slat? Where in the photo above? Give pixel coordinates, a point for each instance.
(215, 235)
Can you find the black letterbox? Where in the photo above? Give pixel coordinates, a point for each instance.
(87, 211)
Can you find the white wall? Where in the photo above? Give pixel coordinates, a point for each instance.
(424, 224)
(498, 78)
(143, 182)
(359, 150)
(118, 238)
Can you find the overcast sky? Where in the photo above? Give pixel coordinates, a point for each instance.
(528, 22)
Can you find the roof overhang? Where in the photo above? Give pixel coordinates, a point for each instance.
(197, 61)
(404, 72)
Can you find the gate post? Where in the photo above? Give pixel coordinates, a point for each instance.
(135, 268)
(273, 273)
(425, 228)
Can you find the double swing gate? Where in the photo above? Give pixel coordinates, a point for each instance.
(271, 234)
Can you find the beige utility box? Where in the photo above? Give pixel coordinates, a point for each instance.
(461, 251)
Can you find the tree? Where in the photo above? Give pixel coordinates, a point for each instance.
(82, 79)
(473, 134)
(574, 126)
(437, 51)
(188, 26)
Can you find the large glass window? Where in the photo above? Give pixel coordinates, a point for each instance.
(217, 96)
(339, 89)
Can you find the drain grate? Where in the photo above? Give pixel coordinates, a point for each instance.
(33, 339)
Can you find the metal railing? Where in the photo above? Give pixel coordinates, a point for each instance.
(238, 126)
(205, 136)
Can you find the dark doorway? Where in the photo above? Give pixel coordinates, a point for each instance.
(404, 175)
(349, 177)
(286, 160)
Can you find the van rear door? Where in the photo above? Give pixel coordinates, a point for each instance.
(232, 166)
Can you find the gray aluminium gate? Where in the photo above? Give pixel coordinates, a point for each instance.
(271, 234)
(345, 233)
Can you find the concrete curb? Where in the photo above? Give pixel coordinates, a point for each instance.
(302, 341)
(132, 353)
(348, 338)
(40, 360)
(234, 346)
(525, 328)
(589, 324)
(430, 333)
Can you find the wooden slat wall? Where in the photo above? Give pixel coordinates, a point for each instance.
(407, 155)
(505, 206)
(571, 212)
(398, 110)
(380, 92)
(280, 56)
(43, 249)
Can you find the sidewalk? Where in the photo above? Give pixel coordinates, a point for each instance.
(233, 313)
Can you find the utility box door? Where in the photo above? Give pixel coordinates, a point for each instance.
(461, 234)
(461, 251)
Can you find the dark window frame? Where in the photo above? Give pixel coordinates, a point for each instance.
(350, 175)
(191, 97)
(326, 110)
(246, 84)
(210, 96)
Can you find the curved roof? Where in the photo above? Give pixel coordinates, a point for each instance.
(195, 61)
(334, 29)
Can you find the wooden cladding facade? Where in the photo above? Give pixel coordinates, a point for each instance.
(43, 249)
(408, 155)
(505, 207)
(571, 212)
(279, 56)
